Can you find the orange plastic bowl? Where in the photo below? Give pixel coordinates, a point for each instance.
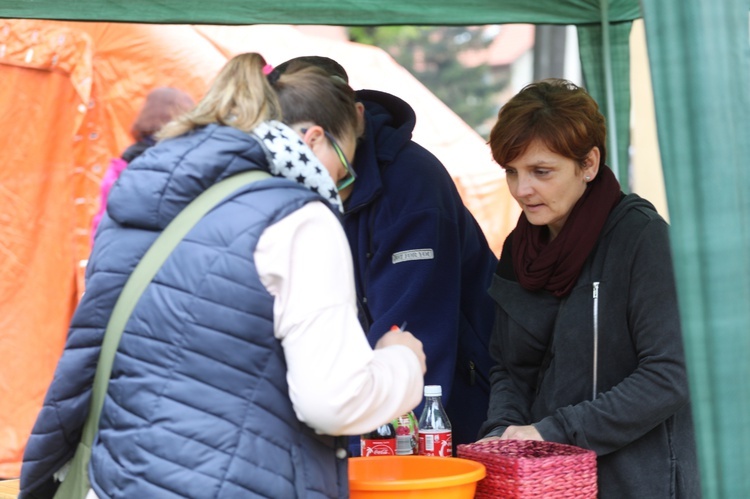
(413, 477)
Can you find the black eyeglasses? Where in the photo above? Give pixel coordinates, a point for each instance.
(351, 176)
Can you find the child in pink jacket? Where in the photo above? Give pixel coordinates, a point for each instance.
(162, 104)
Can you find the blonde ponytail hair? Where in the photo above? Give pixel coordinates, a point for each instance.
(240, 97)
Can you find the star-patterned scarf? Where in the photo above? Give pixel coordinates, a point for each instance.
(292, 159)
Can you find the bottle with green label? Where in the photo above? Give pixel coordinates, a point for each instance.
(407, 434)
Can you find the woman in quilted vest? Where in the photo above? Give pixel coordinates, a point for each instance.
(243, 364)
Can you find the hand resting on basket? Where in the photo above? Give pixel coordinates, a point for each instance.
(528, 432)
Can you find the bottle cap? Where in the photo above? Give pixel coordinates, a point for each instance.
(433, 391)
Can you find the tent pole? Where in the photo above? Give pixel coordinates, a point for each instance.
(622, 175)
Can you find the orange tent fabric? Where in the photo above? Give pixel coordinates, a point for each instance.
(70, 93)
(40, 99)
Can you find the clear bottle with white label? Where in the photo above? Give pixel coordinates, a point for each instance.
(435, 433)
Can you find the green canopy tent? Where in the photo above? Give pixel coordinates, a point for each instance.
(699, 53)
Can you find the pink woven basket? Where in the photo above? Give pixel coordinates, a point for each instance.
(527, 469)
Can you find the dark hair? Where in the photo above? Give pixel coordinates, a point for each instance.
(557, 112)
(327, 64)
(161, 106)
(308, 93)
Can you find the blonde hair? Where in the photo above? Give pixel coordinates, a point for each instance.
(240, 97)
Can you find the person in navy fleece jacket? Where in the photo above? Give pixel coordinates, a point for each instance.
(419, 254)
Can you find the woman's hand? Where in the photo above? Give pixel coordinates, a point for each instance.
(488, 439)
(528, 432)
(405, 338)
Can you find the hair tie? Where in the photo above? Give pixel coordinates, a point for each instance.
(267, 69)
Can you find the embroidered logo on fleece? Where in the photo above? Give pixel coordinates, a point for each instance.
(415, 254)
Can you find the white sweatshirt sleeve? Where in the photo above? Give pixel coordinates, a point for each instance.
(337, 383)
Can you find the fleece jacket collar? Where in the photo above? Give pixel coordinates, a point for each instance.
(389, 123)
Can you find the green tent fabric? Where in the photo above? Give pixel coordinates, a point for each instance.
(700, 66)
(336, 12)
(700, 56)
(605, 60)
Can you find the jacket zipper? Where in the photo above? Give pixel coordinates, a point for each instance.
(596, 339)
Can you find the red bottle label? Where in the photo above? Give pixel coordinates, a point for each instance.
(435, 443)
(381, 447)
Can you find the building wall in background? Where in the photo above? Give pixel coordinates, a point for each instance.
(646, 170)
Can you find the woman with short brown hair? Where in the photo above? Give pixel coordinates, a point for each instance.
(587, 338)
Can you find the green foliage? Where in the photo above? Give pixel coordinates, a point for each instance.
(432, 55)
(383, 36)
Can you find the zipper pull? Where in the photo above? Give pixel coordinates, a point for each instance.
(596, 290)
(472, 373)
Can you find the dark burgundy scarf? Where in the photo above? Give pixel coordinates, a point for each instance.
(555, 266)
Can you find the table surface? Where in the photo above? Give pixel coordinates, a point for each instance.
(9, 489)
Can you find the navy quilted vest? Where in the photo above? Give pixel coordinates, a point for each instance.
(198, 402)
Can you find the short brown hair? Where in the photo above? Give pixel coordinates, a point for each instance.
(327, 64)
(162, 105)
(557, 112)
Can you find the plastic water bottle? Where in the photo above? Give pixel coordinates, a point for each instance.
(379, 442)
(435, 434)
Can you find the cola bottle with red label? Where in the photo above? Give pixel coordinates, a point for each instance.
(379, 442)
(435, 433)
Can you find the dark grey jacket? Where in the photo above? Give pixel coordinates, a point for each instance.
(614, 378)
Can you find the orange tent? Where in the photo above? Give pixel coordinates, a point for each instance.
(70, 93)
